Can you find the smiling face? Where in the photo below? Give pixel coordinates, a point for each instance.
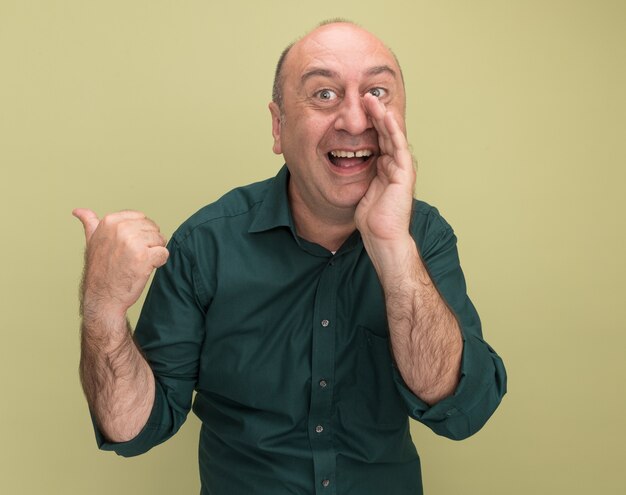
(324, 133)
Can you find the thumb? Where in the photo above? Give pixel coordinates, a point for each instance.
(89, 220)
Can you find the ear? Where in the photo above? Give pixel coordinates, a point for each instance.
(276, 125)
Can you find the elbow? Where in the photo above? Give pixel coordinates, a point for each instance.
(461, 424)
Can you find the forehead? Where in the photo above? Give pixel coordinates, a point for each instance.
(344, 49)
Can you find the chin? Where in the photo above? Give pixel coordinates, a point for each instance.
(350, 196)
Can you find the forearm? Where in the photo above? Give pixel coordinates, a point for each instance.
(425, 336)
(116, 379)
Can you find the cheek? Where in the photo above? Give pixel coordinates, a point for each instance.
(307, 132)
(323, 131)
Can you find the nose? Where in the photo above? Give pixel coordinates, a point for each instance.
(353, 117)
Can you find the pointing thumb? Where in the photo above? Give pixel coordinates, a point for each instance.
(89, 220)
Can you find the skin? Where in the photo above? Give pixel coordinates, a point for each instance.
(344, 63)
(121, 252)
(331, 77)
(342, 90)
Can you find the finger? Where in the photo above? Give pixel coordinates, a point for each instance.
(134, 225)
(400, 144)
(119, 216)
(402, 158)
(151, 225)
(128, 214)
(374, 107)
(158, 256)
(377, 111)
(89, 220)
(387, 126)
(153, 239)
(142, 231)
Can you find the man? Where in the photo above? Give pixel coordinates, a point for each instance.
(312, 313)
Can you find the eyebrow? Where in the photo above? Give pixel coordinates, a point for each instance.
(318, 72)
(373, 71)
(381, 69)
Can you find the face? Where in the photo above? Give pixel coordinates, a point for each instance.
(324, 132)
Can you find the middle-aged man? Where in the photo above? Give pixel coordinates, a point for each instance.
(312, 313)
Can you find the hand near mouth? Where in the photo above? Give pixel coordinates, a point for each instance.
(384, 212)
(425, 337)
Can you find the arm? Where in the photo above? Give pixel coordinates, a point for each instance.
(121, 252)
(425, 336)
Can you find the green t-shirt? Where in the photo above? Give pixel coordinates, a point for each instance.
(287, 348)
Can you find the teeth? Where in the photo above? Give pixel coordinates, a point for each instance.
(350, 154)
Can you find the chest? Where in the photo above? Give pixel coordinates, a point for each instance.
(274, 320)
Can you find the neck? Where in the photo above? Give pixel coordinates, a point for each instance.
(329, 229)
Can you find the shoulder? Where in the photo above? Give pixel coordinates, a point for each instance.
(235, 206)
(426, 218)
(431, 232)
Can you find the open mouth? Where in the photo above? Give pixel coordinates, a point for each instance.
(349, 159)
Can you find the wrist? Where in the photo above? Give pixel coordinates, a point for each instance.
(105, 323)
(390, 254)
(95, 305)
(396, 262)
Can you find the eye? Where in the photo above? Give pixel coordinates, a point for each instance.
(326, 94)
(378, 92)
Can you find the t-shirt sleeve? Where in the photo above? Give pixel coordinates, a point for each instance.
(170, 333)
(482, 381)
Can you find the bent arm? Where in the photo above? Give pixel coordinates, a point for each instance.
(451, 379)
(116, 379)
(121, 252)
(425, 336)
(461, 411)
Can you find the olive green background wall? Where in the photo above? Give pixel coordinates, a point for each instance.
(516, 113)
